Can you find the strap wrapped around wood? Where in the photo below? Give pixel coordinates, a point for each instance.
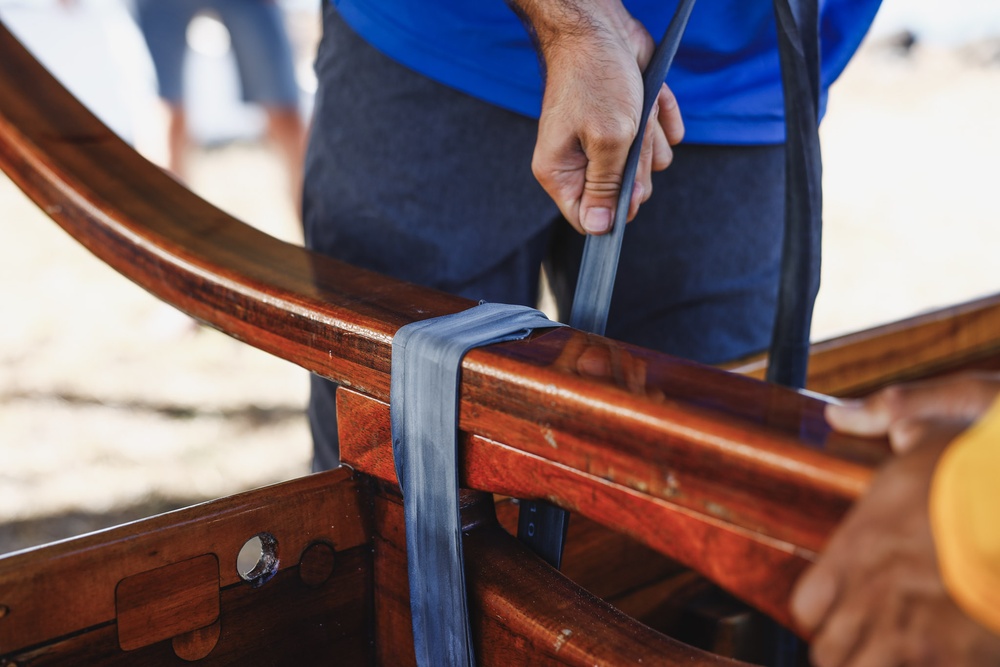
(720, 458)
(426, 365)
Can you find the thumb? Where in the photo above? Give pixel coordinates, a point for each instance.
(957, 397)
(603, 178)
(813, 596)
(869, 417)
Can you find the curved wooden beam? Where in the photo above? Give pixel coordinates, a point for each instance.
(139, 594)
(940, 341)
(528, 613)
(731, 470)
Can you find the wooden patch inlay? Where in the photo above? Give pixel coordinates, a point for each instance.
(168, 601)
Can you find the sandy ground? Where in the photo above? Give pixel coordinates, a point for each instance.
(113, 406)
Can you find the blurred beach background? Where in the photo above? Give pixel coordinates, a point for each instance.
(114, 406)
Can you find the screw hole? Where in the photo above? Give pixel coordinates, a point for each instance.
(257, 561)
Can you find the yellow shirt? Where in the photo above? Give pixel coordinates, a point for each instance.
(965, 519)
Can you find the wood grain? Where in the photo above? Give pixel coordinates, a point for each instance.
(281, 623)
(728, 457)
(738, 479)
(82, 574)
(732, 451)
(941, 341)
(523, 612)
(752, 565)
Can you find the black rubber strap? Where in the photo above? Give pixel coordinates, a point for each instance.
(798, 49)
(788, 357)
(427, 355)
(542, 526)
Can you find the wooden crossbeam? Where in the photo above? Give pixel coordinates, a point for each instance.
(741, 480)
(736, 453)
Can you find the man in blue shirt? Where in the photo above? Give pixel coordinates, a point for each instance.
(439, 157)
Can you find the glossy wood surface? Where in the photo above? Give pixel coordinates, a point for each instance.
(738, 479)
(941, 341)
(751, 564)
(525, 614)
(282, 623)
(146, 592)
(151, 606)
(350, 606)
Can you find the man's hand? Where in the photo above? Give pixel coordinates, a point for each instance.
(898, 411)
(594, 54)
(876, 596)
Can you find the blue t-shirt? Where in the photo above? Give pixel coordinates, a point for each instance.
(726, 75)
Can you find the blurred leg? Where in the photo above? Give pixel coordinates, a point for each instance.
(177, 140)
(286, 131)
(267, 76)
(164, 27)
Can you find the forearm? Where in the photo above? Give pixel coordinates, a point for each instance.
(555, 22)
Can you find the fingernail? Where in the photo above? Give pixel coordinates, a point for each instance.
(867, 418)
(842, 408)
(597, 220)
(812, 598)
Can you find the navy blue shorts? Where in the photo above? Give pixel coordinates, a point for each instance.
(259, 40)
(418, 181)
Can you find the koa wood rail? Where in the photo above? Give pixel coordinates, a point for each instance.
(736, 479)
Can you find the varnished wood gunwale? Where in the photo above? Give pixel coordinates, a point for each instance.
(726, 438)
(740, 480)
(525, 612)
(940, 341)
(750, 564)
(70, 586)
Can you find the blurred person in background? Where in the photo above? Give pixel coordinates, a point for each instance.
(263, 57)
(95, 50)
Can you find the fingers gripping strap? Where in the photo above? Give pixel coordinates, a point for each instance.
(798, 47)
(426, 367)
(600, 253)
(541, 526)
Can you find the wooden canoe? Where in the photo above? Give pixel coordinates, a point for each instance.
(662, 461)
